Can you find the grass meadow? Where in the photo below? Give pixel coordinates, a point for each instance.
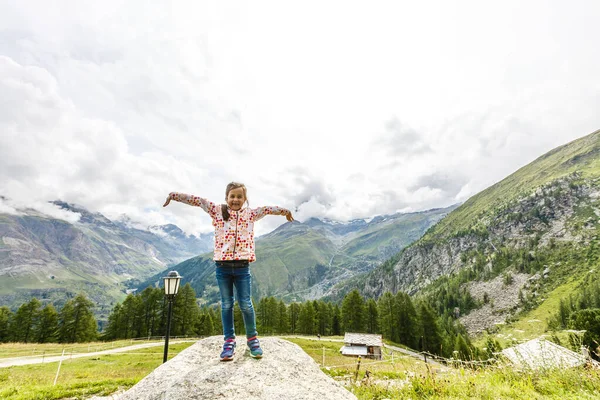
(79, 378)
(397, 376)
(404, 377)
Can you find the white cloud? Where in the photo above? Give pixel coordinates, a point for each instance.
(394, 106)
(7, 208)
(55, 211)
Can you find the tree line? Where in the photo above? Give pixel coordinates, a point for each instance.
(580, 312)
(32, 323)
(396, 316)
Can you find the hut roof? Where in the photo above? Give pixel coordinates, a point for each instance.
(366, 339)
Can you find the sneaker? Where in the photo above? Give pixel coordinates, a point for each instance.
(254, 345)
(228, 350)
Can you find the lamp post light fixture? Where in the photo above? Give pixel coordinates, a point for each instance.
(171, 287)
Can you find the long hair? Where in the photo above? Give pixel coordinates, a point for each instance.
(229, 188)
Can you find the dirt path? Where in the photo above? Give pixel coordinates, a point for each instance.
(10, 362)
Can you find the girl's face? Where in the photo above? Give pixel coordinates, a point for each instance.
(236, 199)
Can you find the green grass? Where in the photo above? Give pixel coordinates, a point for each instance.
(409, 378)
(11, 350)
(341, 365)
(400, 377)
(80, 377)
(489, 384)
(533, 324)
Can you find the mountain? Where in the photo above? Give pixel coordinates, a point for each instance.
(53, 259)
(305, 260)
(526, 236)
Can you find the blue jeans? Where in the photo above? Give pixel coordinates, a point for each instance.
(227, 278)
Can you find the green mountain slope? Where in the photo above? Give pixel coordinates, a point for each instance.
(305, 260)
(581, 156)
(53, 259)
(508, 248)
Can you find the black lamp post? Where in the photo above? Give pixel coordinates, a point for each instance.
(171, 287)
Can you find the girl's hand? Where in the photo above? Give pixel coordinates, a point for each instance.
(168, 201)
(289, 216)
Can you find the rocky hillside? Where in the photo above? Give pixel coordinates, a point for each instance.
(53, 259)
(540, 224)
(305, 260)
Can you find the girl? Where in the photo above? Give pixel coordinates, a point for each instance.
(234, 251)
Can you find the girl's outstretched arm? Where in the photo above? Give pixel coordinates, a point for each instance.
(262, 211)
(208, 206)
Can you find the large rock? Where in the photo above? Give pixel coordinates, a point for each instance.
(285, 372)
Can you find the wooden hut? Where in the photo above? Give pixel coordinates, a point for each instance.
(362, 344)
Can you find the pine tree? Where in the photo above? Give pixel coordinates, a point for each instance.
(564, 313)
(152, 300)
(5, 317)
(136, 318)
(589, 321)
(323, 318)
(66, 322)
(353, 312)
(86, 327)
(131, 317)
(294, 313)
(262, 316)
(331, 311)
(283, 325)
(185, 311)
(372, 315)
(76, 321)
(115, 325)
(25, 321)
(336, 325)
(461, 348)
(267, 312)
(306, 319)
(205, 325)
(406, 320)
(430, 332)
(238, 320)
(215, 314)
(47, 329)
(273, 310)
(387, 312)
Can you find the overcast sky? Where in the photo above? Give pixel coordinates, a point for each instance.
(334, 109)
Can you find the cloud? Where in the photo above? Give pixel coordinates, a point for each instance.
(55, 211)
(400, 140)
(310, 188)
(112, 105)
(12, 207)
(7, 208)
(449, 184)
(49, 151)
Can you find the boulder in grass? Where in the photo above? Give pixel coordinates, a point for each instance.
(285, 372)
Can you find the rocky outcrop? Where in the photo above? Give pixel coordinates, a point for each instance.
(544, 214)
(285, 372)
(536, 220)
(418, 266)
(501, 300)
